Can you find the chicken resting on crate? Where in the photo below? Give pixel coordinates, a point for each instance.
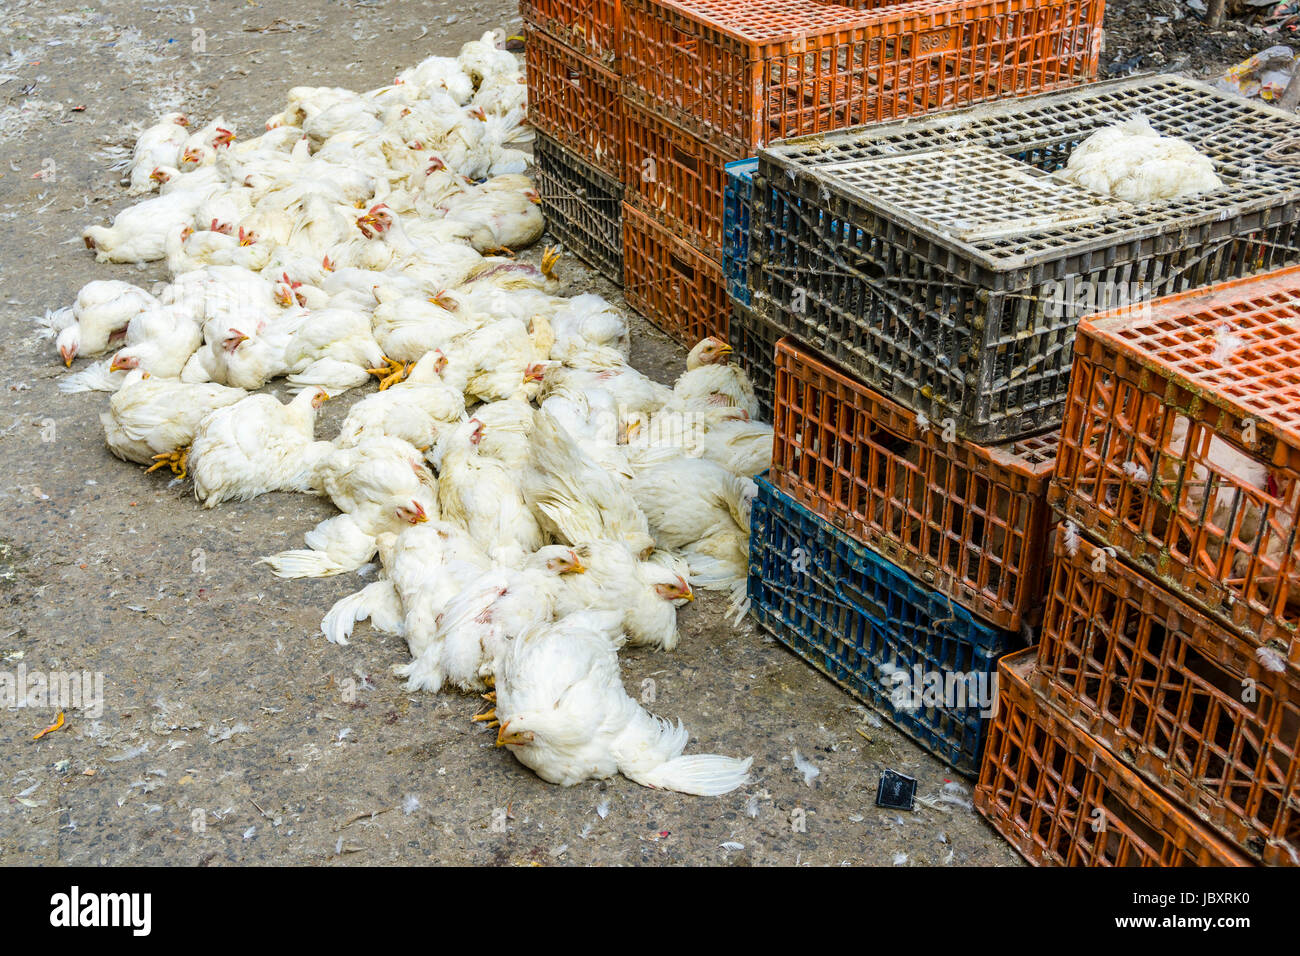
(943, 261)
(923, 662)
(1181, 449)
(968, 520)
(1062, 799)
(1177, 697)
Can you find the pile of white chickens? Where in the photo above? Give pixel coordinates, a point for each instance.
(534, 501)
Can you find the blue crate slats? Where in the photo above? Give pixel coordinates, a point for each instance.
(860, 620)
(735, 223)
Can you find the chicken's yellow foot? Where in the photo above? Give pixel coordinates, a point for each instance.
(390, 373)
(177, 461)
(490, 682)
(490, 696)
(499, 251)
(550, 259)
(487, 715)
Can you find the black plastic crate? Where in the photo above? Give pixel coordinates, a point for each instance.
(753, 341)
(583, 207)
(863, 621)
(940, 260)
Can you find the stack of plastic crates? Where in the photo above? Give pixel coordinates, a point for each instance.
(1169, 635)
(575, 103)
(943, 263)
(707, 82)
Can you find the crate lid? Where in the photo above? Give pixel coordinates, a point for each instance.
(774, 21)
(1236, 344)
(1255, 148)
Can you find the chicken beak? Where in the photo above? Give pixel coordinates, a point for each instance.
(320, 399)
(576, 566)
(534, 198)
(688, 594)
(513, 740)
(115, 365)
(68, 355)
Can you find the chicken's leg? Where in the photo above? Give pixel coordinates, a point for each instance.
(499, 251)
(177, 461)
(550, 259)
(391, 372)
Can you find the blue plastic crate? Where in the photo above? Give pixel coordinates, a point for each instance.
(735, 224)
(862, 621)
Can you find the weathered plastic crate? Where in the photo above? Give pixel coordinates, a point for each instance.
(676, 178)
(591, 27)
(575, 101)
(968, 520)
(672, 285)
(1061, 799)
(742, 73)
(1181, 448)
(1172, 693)
(583, 207)
(871, 628)
(753, 342)
(940, 261)
(735, 227)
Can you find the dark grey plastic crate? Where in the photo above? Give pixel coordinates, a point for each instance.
(583, 207)
(753, 343)
(933, 256)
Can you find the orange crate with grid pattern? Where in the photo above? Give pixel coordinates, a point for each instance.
(1177, 696)
(1061, 799)
(591, 27)
(1181, 448)
(743, 73)
(677, 289)
(969, 520)
(677, 178)
(576, 102)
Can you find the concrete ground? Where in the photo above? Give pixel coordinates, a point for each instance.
(231, 731)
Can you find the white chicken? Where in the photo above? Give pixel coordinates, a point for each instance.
(1133, 162)
(258, 445)
(152, 421)
(102, 311)
(139, 233)
(159, 145)
(710, 380)
(565, 715)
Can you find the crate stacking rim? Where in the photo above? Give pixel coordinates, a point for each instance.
(968, 520)
(583, 206)
(867, 625)
(741, 73)
(1175, 696)
(1181, 448)
(1062, 799)
(939, 257)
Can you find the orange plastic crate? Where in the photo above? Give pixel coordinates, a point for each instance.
(576, 102)
(1176, 696)
(592, 27)
(672, 285)
(970, 521)
(677, 178)
(1061, 799)
(744, 73)
(1181, 447)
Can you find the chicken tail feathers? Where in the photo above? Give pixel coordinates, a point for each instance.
(303, 563)
(93, 378)
(704, 775)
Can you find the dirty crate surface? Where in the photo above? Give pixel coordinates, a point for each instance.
(753, 343)
(871, 628)
(575, 101)
(591, 27)
(968, 520)
(941, 261)
(1175, 695)
(1181, 448)
(670, 283)
(1061, 799)
(741, 73)
(583, 207)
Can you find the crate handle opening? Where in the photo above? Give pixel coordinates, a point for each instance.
(874, 611)
(686, 160)
(682, 267)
